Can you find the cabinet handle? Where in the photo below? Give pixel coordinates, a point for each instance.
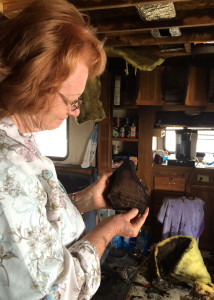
(169, 183)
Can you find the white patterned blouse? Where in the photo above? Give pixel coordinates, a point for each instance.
(41, 253)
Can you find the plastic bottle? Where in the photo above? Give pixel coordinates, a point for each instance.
(127, 128)
(133, 131)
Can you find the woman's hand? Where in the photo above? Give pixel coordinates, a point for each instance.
(97, 191)
(93, 197)
(125, 224)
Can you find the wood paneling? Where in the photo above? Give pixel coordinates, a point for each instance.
(104, 148)
(146, 121)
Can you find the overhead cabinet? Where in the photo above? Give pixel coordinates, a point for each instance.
(170, 85)
(150, 88)
(197, 92)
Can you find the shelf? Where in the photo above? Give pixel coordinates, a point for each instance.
(126, 107)
(124, 139)
(170, 107)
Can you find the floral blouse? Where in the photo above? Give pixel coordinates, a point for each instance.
(41, 254)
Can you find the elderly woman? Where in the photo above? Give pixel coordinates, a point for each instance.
(47, 53)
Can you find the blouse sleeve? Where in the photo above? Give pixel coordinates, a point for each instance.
(34, 262)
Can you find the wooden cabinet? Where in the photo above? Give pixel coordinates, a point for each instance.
(141, 145)
(123, 145)
(167, 183)
(104, 148)
(150, 88)
(197, 93)
(150, 91)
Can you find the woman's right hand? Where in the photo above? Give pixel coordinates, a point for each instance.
(125, 224)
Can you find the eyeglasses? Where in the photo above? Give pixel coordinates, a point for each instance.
(75, 104)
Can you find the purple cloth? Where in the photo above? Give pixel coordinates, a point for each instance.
(182, 216)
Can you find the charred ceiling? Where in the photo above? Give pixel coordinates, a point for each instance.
(163, 28)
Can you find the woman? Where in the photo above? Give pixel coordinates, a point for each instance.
(47, 52)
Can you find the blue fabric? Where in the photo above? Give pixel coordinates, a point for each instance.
(182, 216)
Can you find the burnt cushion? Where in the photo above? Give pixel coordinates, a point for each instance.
(125, 189)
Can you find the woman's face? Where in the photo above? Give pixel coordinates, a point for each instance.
(53, 116)
(72, 88)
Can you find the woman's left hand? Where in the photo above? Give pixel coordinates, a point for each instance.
(93, 196)
(97, 191)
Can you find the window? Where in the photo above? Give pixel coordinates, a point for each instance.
(170, 139)
(54, 143)
(205, 140)
(154, 143)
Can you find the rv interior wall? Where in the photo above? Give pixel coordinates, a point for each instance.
(77, 141)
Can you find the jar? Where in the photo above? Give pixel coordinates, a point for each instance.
(115, 149)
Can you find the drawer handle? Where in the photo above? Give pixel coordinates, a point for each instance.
(169, 183)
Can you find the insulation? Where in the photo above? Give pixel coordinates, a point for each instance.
(91, 108)
(138, 58)
(179, 257)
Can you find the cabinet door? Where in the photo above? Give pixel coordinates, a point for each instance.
(197, 87)
(150, 88)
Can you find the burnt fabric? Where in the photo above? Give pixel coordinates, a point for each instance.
(178, 258)
(125, 189)
(182, 216)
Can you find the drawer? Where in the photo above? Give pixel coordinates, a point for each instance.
(168, 183)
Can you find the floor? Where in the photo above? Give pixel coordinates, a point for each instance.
(119, 270)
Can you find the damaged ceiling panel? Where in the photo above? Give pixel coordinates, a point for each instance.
(164, 29)
(158, 11)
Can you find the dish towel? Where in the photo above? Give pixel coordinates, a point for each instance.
(91, 149)
(182, 216)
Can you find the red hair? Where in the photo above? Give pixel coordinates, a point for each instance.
(39, 49)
